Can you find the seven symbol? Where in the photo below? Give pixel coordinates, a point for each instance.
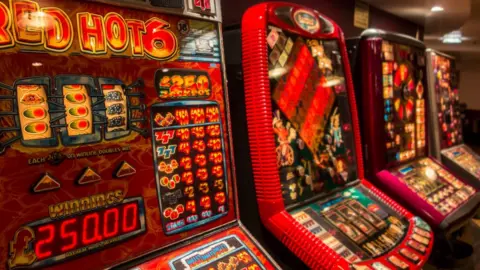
(166, 152)
(164, 136)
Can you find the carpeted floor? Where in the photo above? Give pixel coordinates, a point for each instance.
(472, 237)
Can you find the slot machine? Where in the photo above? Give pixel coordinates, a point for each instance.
(306, 151)
(115, 146)
(392, 80)
(446, 135)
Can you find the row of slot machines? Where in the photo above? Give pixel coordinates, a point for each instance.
(116, 139)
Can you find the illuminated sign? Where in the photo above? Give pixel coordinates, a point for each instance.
(225, 253)
(306, 20)
(182, 83)
(76, 227)
(190, 163)
(50, 28)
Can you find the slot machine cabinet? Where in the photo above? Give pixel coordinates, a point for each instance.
(306, 151)
(446, 135)
(392, 82)
(115, 140)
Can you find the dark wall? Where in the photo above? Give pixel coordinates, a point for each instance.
(341, 11)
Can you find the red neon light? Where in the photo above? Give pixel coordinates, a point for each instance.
(72, 235)
(96, 236)
(66, 235)
(51, 234)
(114, 232)
(127, 228)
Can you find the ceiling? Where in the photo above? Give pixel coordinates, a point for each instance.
(463, 15)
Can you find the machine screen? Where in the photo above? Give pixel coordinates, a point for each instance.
(464, 157)
(434, 184)
(355, 225)
(447, 101)
(310, 117)
(404, 104)
(190, 168)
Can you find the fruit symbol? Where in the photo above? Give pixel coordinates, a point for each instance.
(184, 147)
(203, 187)
(217, 170)
(183, 134)
(220, 197)
(200, 160)
(205, 202)
(36, 128)
(189, 192)
(78, 111)
(219, 184)
(197, 115)
(79, 124)
(216, 157)
(182, 117)
(170, 183)
(180, 208)
(190, 206)
(202, 174)
(214, 144)
(164, 121)
(186, 163)
(213, 131)
(187, 178)
(35, 113)
(199, 146)
(77, 98)
(212, 114)
(198, 132)
(173, 214)
(168, 168)
(31, 99)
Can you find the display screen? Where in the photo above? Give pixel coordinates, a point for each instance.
(190, 163)
(447, 101)
(354, 224)
(465, 158)
(311, 116)
(403, 70)
(55, 239)
(434, 184)
(79, 109)
(116, 105)
(226, 253)
(34, 116)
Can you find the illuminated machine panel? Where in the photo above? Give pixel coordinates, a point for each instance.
(189, 156)
(306, 155)
(84, 149)
(397, 154)
(447, 137)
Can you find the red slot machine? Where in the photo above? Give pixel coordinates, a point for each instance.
(114, 138)
(395, 110)
(306, 151)
(447, 136)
